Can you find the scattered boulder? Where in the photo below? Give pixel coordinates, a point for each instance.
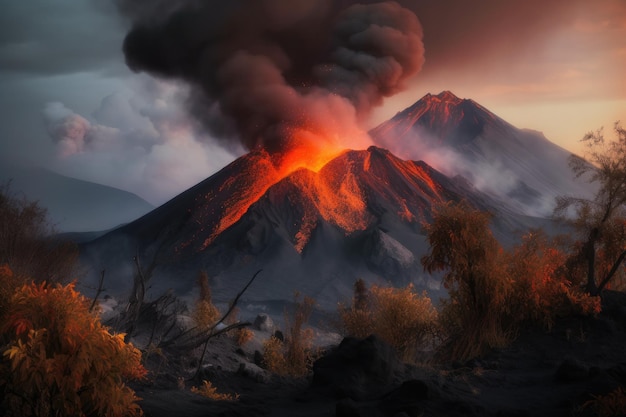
(264, 323)
(357, 368)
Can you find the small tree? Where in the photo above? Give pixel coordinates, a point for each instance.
(600, 223)
(27, 245)
(462, 245)
(357, 319)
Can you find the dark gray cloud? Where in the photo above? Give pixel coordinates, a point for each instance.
(275, 71)
(42, 37)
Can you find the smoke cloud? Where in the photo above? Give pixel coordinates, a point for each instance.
(143, 141)
(275, 74)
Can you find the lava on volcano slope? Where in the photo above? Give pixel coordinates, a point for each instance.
(350, 192)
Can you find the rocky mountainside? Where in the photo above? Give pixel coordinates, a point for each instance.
(360, 216)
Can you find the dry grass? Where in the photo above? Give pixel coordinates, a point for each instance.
(209, 391)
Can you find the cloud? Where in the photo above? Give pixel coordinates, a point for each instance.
(142, 141)
(40, 37)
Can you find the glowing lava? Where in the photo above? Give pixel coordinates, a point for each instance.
(311, 184)
(254, 178)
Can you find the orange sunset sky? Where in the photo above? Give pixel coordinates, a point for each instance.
(554, 66)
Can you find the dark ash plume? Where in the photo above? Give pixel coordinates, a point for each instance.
(275, 73)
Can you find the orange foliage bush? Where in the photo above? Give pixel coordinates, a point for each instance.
(204, 314)
(59, 360)
(292, 357)
(243, 336)
(209, 391)
(401, 317)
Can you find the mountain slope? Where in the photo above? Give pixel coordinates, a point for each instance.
(359, 216)
(74, 205)
(460, 137)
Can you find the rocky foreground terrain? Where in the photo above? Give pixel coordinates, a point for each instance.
(541, 373)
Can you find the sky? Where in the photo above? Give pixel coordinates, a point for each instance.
(68, 101)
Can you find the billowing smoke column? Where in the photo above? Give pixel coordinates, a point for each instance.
(279, 74)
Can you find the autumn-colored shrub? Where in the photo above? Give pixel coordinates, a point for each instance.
(462, 246)
(58, 359)
(541, 291)
(357, 319)
(27, 245)
(292, 357)
(612, 404)
(204, 313)
(401, 317)
(243, 336)
(209, 391)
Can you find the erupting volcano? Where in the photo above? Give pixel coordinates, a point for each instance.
(316, 218)
(313, 203)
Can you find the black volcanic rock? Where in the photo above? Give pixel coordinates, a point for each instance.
(357, 368)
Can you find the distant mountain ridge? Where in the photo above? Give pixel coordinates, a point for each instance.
(460, 137)
(74, 205)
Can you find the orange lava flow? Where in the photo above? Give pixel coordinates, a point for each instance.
(336, 195)
(264, 171)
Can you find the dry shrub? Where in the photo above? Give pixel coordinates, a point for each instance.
(26, 243)
(274, 355)
(243, 336)
(204, 313)
(541, 290)
(60, 361)
(401, 317)
(357, 320)
(462, 245)
(209, 391)
(612, 404)
(292, 357)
